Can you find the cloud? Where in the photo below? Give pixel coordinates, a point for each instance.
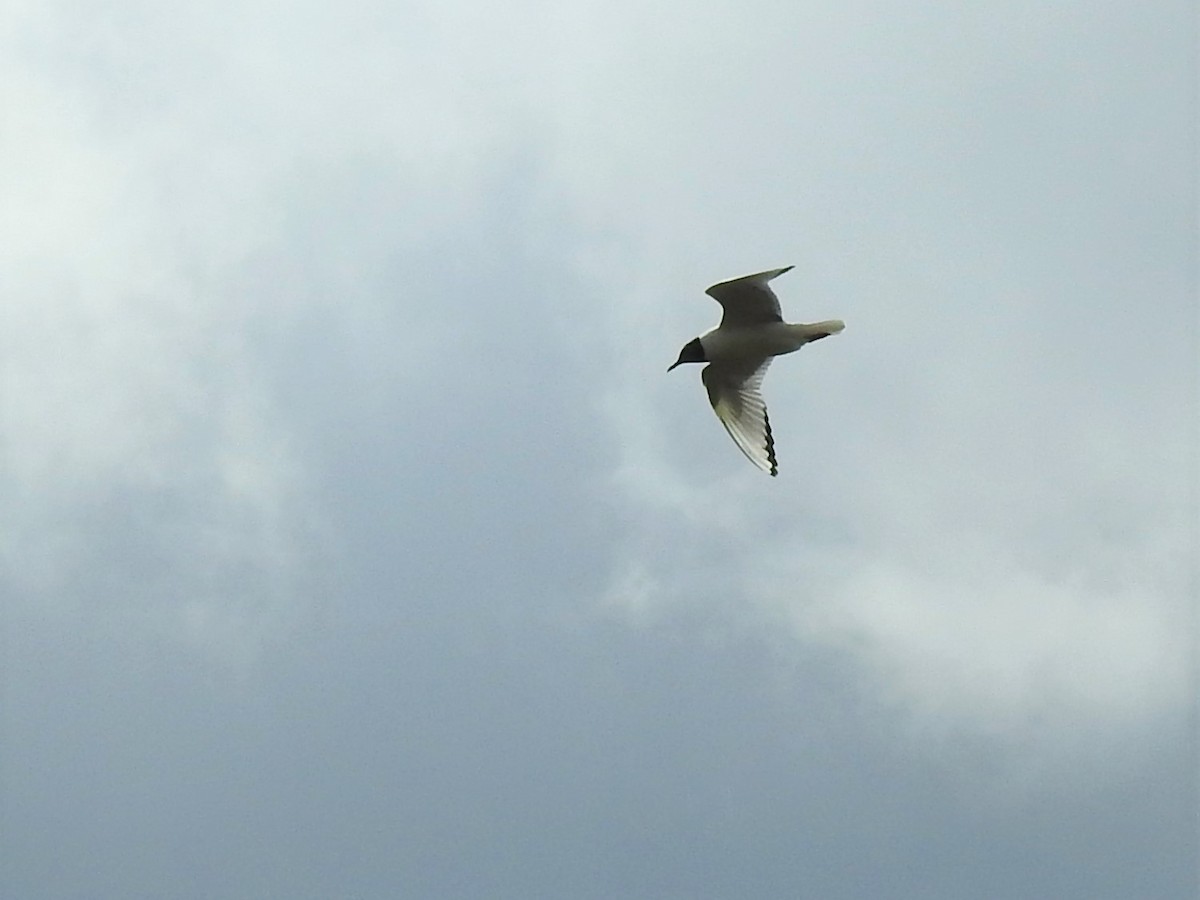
(986, 492)
(234, 213)
(144, 453)
(236, 226)
(354, 533)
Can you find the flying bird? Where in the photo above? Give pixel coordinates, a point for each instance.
(738, 352)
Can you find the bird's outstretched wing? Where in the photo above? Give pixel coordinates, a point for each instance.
(748, 300)
(735, 393)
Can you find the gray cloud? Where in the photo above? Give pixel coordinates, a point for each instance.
(357, 543)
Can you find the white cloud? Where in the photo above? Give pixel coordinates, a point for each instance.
(986, 492)
(183, 190)
(127, 379)
(272, 389)
(179, 179)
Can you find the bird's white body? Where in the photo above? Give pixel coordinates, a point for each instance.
(739, 350)
(726, 343)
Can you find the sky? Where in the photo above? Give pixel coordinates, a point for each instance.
(356, 542)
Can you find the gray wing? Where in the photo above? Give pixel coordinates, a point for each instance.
(748, 300)
(736, 398)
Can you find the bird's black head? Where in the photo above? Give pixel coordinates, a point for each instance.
(693, 351)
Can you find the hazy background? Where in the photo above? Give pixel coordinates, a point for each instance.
(356, 543)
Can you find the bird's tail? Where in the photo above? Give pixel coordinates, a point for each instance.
(818, 330)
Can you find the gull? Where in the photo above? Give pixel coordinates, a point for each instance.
(738, 352)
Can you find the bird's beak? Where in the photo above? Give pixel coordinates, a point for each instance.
(671, 366)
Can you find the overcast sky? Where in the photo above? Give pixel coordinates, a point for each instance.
(356, 543)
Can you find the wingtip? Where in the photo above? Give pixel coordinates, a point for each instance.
(770, 444)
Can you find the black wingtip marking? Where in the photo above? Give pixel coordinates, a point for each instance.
(770, 445)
